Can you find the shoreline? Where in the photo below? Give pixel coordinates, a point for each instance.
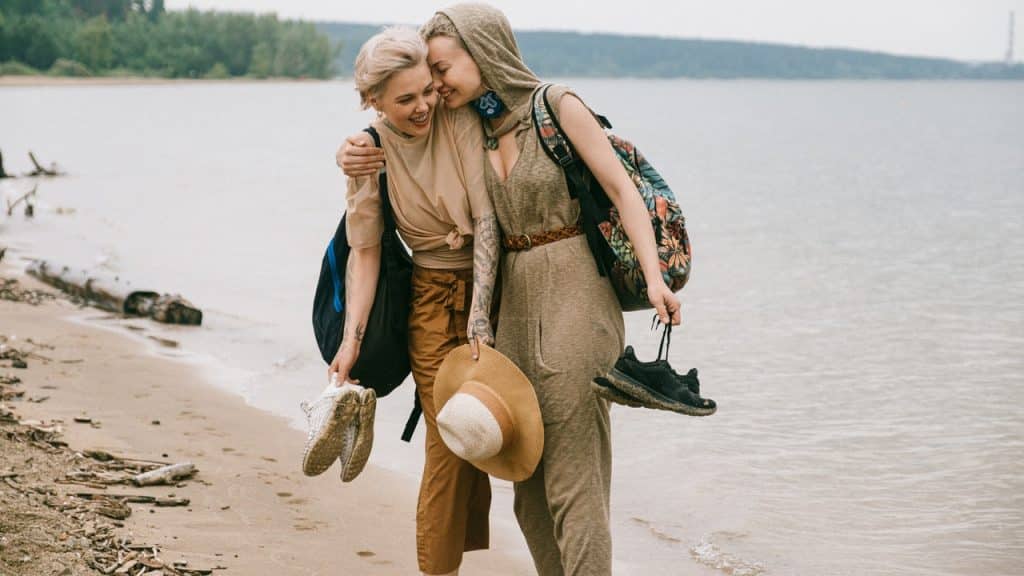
(251, 510)
(43, 80)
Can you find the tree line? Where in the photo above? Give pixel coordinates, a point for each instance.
(571, 54)
(140, 37)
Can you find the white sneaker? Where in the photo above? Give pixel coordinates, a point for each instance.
(329, 418)
(361, 430)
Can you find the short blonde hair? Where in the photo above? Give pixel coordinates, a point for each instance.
(392, 50)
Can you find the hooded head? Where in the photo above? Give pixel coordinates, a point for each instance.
(485, 33)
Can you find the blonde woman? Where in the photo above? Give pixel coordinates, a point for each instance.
(439, 200)
(560, 321)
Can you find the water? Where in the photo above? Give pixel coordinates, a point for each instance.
(856, 308)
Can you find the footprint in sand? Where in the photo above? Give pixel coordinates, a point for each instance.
(307, 526)
(370, 554)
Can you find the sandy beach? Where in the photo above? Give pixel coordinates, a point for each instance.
(251, 510)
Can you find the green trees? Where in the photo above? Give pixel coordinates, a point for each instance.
(141, 37)
(94, 43)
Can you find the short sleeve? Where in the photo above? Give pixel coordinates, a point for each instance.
(364, 222)
(469, 144)
(555, 94)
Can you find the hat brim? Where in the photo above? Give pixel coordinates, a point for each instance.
(520, 458)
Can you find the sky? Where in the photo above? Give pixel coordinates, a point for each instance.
(958, 29)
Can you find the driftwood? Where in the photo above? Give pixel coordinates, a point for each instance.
(40, 171)
(118, 296)
(26, 198)
(166, 475)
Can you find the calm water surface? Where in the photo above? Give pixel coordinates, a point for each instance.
(856, 307)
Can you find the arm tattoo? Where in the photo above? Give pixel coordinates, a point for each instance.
(360, 330)
(485, 271)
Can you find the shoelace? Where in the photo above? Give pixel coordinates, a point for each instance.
(317, 413)
(666, 337)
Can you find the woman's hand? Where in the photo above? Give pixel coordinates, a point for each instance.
(665, 302)
(359, 157)
(479, 332)
(343, 362)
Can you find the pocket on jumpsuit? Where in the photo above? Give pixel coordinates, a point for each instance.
(560, 386)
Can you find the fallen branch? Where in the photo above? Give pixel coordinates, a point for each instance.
(24, 197)
(117, 295)
(165, 475)
(40, 171)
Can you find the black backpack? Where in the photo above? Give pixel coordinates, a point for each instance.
(383, 362)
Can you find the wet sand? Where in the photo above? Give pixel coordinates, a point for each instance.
(252, 510)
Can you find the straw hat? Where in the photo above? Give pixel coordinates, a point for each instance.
(487, 413)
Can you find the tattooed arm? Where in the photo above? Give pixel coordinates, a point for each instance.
(485, 273)
(361, 275)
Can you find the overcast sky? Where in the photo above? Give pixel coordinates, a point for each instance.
(961, 29)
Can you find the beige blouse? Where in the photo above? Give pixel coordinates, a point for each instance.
(436, 187)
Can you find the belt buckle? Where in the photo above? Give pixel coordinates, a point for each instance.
(529, 242)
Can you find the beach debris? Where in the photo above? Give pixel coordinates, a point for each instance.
(40, 171)
(11, 290)
(166, 475)
(3, 173)
(76, 529)
(7, 395)
(84, 525)
(116, 295)
(14, 356)
(168, 502)
(27, 199)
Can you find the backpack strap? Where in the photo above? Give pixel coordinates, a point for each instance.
(390, 228)
(582, 185)
(382, 187)
(414, 418)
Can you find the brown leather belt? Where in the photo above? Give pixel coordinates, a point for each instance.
(519, 242)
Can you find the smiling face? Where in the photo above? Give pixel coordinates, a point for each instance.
(408, 100)
(456, 74)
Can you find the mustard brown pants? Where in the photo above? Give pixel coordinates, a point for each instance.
(455, 497)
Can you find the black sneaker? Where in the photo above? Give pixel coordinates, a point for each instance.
(656, 385)
(689, 379)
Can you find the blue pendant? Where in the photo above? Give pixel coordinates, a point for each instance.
(489, 105)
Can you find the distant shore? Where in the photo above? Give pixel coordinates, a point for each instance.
(43, 80)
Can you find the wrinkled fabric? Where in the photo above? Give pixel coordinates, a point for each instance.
(455, 498)
(436, 187)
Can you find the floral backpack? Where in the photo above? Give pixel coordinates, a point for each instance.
(605, 235)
